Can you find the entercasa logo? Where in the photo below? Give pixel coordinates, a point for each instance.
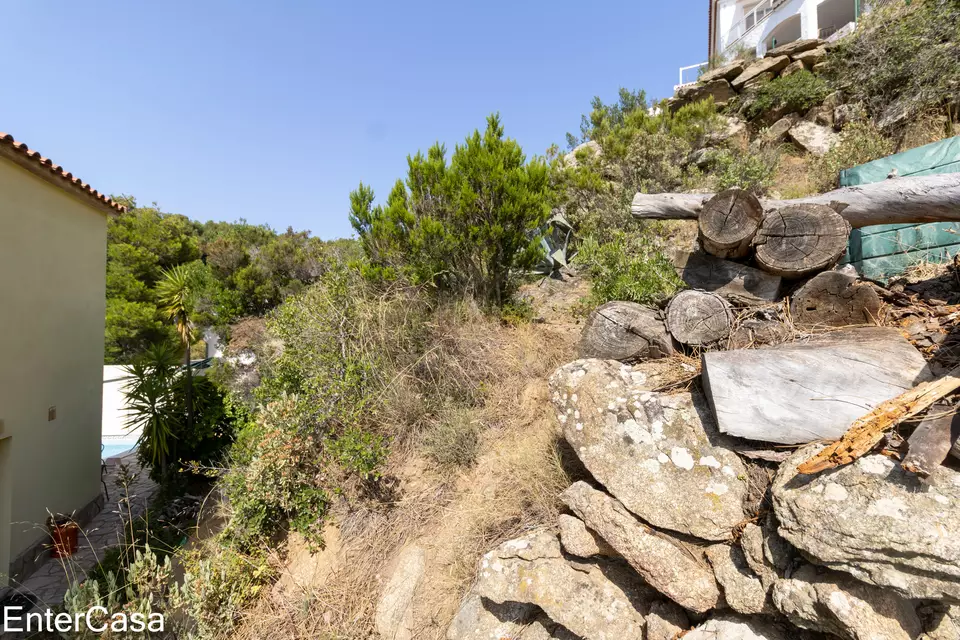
(95, 619)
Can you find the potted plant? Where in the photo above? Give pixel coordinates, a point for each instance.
(65, 535)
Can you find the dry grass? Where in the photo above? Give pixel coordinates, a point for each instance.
(455, 513)
(793, 177)
(929, 126)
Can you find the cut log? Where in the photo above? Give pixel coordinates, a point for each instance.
(625, 331)
(732, 279)
(905, 200)
(834, 299)
(812, 390)
(801, 239)
(868, 430)
(728, 222)
(698, 317)
(930, 443)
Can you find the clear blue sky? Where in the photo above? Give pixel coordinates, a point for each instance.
(274, 110)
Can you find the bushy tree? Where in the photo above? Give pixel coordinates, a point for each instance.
(463, 225)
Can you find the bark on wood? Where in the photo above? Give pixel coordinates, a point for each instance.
(797, 240)
(834, 299)
(625, 331)
(868, 430)
(811, 390)
(731, 279)
(905, 200)
(930, 443)
(728, 222)
(699, 317)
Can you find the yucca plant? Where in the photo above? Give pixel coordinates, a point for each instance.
(175, 299)
(152, 405)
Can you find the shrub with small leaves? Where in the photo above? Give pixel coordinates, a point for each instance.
(795, 93)
(628, 267)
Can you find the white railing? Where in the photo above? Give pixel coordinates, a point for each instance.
(689, 75)
(751, 20)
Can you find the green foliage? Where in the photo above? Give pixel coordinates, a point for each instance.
(462, 226)
(748, 170)
(903, 59)
(860, 142)
(796, 92)
(629, 266)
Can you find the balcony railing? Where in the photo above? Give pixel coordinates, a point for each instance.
(751, 20)
(689, 75)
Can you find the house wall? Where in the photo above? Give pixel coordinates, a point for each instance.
(53, 262)
(732, 11)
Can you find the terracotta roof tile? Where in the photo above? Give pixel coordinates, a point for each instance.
(57, 172)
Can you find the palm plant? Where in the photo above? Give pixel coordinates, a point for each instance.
(151, 407)
(174, 298)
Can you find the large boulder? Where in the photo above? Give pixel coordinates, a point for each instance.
(811, 56)
(736, 628)
(394, 617)
(793, 49)
(588, 150)
(777, 132)
(733, 133)
(813, 138)
(833, 602)
(764, 65)
(583, 599)
(875, 521)
(726, 72)
(742, 589)
(656, 453)
(794, 67)
(719, 89)
(666, 621)
(579, 541)
(480, 619)
(663, 563)
(940, 622)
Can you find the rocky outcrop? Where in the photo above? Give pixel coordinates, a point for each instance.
(579, 541)
(666, 621)
(833, 602)
(590, 149)
(726, 72)
(651, 451)
(742, 588)
(543, 628)
(777, 132)
(664, 564)
(480, 619)
(394, 618)
(811, 57)
(532, 570)
(719, 89)
(764, 65)
(875, 521)
(794, 49)
(733, 628)
(813, 138)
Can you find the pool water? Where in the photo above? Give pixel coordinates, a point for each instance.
(114, 449)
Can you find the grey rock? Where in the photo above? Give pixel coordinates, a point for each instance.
(653, 452)
(777, 132)
(726, 72)
(833, 602)
(532, 570)
(480, 619)
(662, 563)
(794, 48)
(811, 56)
(733, 133)
(742, 589)
(543, 628)
(813, 138)
(792, 68)
(759, 79)
(764, 65)
(719, 89)
(845, 114)
(666, 621)
(875, 521)
(822, 115)
(767, 554)
(394, 616)
(579, 541)
(590, 149)
(736, 628)
(940, 622)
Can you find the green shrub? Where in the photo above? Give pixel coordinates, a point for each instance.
(628, 267)
(455, 439)
(796, 92)
(462, 226)
(860, 142)
(748, 170)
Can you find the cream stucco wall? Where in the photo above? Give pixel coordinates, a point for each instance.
(52, 266)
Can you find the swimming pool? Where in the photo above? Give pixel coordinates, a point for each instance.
(113, 448)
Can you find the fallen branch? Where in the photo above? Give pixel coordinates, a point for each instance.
(911, 199)
(867, 431)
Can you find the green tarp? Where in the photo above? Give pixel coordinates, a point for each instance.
(883, 251)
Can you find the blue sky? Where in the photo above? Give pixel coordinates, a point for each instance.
(274, 110)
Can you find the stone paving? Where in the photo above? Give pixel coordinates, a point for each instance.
(49, 583)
